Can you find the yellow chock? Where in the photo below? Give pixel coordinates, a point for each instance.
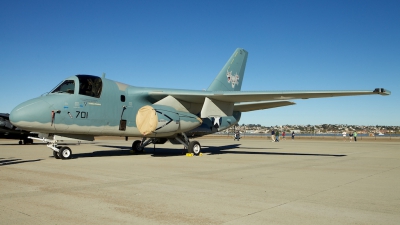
(201, 154)
(189, 154)
(131, 151)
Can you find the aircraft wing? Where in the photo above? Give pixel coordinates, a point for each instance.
(255, 96)
(251, 106)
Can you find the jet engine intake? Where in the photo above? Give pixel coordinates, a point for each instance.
(159, 119)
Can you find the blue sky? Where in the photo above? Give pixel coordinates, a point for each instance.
(292, 45)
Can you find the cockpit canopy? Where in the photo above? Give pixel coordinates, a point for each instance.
(86, 85)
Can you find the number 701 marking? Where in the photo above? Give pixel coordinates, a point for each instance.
(83, 115)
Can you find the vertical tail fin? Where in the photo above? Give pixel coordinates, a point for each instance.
(230, 78)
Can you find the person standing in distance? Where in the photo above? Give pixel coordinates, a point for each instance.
(273, 135)
(277, 136)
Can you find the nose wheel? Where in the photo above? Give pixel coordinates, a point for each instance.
(63, 153)
(55, 154)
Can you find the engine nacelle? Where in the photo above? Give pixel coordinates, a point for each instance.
(159, 119)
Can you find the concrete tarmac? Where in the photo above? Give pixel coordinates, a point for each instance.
(251, 181)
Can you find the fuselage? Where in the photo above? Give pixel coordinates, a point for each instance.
(85, 104)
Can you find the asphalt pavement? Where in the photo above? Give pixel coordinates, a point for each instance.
(251, 181)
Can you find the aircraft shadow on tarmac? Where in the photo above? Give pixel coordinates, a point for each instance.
(6, 162)
(209, 150)
(43, 143)
(13, 144)
(227, 149)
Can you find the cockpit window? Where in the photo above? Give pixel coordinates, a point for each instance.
(90, 85)
(68, 86)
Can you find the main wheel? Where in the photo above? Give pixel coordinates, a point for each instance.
(136, 146)
(194, 147)
(65, 153)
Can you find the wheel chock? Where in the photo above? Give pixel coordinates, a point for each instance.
(191, 154)
(131, 151)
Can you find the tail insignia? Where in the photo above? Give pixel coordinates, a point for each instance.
(233, 79)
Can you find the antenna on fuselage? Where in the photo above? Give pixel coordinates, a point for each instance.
(104, 75)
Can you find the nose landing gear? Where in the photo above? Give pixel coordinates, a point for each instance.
(59, 152)
(65, 153)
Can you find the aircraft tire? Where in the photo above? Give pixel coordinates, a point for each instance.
(20, 142)
(55, 154)
(194, 147)
(65, 153)
(136, 146)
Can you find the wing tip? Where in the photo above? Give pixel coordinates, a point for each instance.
(382, 91)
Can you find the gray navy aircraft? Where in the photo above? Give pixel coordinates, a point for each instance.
(9, 131)
(84, 106)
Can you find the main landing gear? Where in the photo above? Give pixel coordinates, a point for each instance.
(193, 147)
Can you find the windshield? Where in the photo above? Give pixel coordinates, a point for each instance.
(68, 86)
(90, 85)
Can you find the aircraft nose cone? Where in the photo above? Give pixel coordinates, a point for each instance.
(23, 115)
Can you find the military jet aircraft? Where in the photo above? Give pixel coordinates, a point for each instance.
(84, 106)
(9, 131)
